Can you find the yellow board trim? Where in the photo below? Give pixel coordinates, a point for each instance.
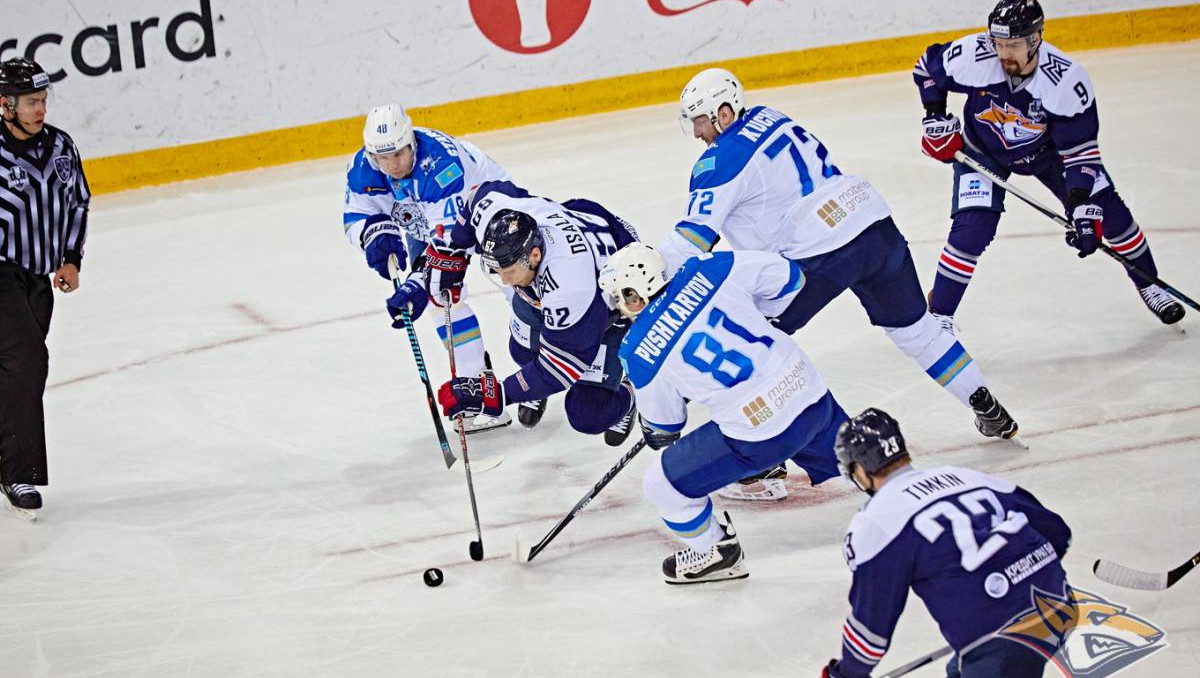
(341, 137)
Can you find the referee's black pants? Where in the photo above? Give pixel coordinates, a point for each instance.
(26, 303)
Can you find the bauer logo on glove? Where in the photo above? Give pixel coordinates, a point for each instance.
(472, 395)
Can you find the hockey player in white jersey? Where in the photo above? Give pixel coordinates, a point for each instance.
(404, 191)
(548, 256)
(704, 337)
(765, 183)
(1029, 110)
(974, 548)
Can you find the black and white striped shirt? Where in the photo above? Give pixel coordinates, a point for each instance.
(43, 201)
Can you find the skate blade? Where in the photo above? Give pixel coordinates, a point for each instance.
(736, 572)
(479, 465)
(472, 428)
(1016, 440)
(29, 515)
(772, 490)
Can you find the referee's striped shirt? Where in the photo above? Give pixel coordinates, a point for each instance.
(43, 201)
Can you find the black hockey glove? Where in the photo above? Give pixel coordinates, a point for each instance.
(1088, 220)
(655, 438)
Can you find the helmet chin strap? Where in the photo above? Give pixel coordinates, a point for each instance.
(1035, 43)
(10, 104)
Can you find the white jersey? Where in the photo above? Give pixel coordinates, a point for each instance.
(577, 245)
(427, 203)
(706, 338)
(767, 184)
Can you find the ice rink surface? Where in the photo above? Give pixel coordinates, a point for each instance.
(246, 482)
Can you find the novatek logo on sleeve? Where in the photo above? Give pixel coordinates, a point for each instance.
(97, 50)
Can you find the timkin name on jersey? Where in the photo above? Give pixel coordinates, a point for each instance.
(761, 123)
(675, 316)
(932, 485)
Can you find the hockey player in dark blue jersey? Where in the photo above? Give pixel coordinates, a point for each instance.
(1029, 110)
(973, 547)
(562, 334)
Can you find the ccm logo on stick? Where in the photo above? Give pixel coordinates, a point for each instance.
(104, 43)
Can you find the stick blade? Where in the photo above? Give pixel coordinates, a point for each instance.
(481, 466)
(1129, 578)
(521, 553)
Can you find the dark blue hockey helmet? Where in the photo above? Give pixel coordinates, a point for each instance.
(872, 440)
(508, 239)
(1016, 19)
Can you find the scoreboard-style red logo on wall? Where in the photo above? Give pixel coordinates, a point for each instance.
(532, 26)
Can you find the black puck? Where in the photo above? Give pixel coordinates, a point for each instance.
(476, 551)
(433, 577)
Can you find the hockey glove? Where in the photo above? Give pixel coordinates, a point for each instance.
(655, 438)
(445, 271)
(410, 295)
(472, 395)
(942, 137)
(381, 239)
(1088, 221)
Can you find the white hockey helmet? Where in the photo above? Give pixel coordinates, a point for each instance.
(634, 271)
(706, 92)
(388, 130)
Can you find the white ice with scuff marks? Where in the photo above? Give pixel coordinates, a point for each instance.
(246, 483)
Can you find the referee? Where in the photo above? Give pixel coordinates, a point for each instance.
(43, 221)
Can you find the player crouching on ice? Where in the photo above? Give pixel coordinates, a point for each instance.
(548, 255)
(704, 336)
(404, 190)
(971, 546)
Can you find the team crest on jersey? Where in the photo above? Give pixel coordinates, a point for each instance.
(426, 163)
(63, 168)
(1083, 634)
(411, 219)
(18, 178)
(1012, 126)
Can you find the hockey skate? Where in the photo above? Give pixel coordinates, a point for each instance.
(23, 500)
(947, 322)
(530, 413)
(992, 419)
(618, 433)
(765, 486)
(482, 422)
(722, 561)
(1161, 304)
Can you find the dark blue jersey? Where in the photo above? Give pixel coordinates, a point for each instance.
(1021, 125)
(969, 545)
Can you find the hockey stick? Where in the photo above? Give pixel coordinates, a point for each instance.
(1062, 221)
(447, 456)
(917, 663)
(476, 547)
(524, 554)
(1127, 577)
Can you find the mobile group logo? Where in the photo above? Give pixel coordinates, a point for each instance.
(1084, 634)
